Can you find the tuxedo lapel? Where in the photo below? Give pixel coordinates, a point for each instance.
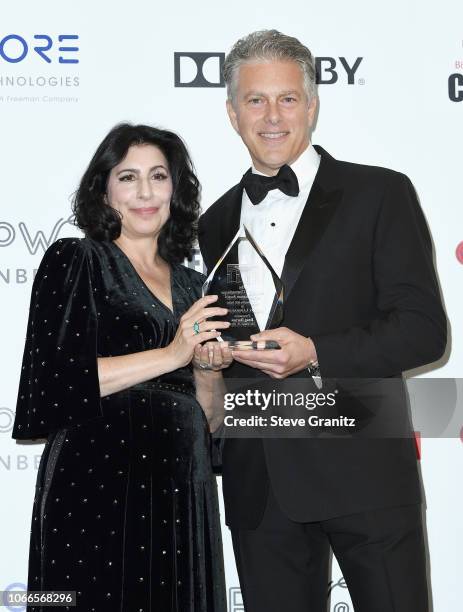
(218, 225)
(321, 204)
(230, 217)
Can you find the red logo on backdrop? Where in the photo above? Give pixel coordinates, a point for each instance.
(418, 444)
(459, 252)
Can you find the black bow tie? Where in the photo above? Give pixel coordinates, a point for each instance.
(257, 186)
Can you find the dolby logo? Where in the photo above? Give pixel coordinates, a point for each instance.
(198, 69)
(204, 69)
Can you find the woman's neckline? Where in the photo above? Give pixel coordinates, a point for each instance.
(171, 270)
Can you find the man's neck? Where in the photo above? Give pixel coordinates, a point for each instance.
(266, 171)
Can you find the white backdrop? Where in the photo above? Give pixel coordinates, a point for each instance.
(397, 113)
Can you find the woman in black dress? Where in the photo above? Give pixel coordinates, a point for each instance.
(125, 510)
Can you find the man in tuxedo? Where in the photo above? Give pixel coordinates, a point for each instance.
(361, 302)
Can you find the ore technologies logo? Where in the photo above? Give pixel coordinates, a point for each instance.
(204, 69)
(34, 68)
(455, 81)
(15, 48)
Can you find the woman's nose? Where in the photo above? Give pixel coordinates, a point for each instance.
(144, 189)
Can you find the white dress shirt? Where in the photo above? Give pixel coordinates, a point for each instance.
(272, 224)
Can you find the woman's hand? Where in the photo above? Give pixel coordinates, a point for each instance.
(194, 329)
(208, 361)
(212, 356)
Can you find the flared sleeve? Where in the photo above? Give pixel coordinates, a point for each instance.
(59, 384)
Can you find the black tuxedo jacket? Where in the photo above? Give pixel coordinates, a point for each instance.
(359, 280)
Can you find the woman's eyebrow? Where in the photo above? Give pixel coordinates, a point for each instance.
(136, 171)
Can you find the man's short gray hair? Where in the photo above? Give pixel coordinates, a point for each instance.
(268, 45)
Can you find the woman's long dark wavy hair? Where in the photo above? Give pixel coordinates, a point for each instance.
(100, 221)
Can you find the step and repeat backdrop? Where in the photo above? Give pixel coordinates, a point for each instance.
(391, 94)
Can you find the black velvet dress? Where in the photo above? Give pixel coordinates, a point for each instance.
(125, 510)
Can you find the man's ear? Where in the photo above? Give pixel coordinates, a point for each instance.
(232, 115)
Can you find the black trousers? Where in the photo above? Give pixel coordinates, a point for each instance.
(283, 566)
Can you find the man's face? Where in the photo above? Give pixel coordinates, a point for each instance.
(271, 113)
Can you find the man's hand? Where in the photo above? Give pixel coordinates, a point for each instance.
(297, 353)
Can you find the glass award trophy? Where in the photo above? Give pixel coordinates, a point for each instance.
(247, 285)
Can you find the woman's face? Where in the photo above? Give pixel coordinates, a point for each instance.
(140, 188)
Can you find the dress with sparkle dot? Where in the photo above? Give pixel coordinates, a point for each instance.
(126, 508)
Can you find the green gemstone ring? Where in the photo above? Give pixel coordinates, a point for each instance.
(196, 327)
